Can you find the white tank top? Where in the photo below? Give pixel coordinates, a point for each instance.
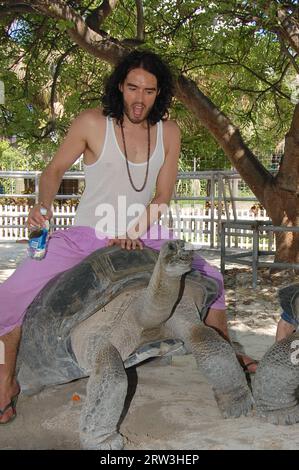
(109, 204)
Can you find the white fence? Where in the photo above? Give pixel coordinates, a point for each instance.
(197, 195)
(194, 224)
(13, 220)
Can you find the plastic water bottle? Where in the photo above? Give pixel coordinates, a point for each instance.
(38, 239)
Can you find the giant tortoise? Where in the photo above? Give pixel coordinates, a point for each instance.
(276, 382)
(111, 311)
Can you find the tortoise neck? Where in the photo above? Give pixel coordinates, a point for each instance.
(159, 298)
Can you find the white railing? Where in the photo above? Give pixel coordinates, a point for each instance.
(198, 222)
(202, 228)
(194, 224)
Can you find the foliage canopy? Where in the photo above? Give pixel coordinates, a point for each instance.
(229, 48)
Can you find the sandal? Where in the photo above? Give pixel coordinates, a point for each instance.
(12, 404)
(246, 366)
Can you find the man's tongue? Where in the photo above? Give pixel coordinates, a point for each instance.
(137, 111)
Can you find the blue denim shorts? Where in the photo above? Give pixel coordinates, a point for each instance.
(286, 317)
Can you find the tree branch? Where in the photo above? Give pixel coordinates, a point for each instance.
(96, 44)
(287, 53)
(226, 134)
(98, 16)
(140, 20)
(15, 9)
(289, 28)
(55, 79)
(232, 62)
(287, 177)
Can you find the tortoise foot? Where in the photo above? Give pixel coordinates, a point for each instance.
(285, 416)
(232, 405)
(111, 442)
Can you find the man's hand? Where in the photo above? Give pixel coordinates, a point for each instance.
(36, 219)
(126, 243)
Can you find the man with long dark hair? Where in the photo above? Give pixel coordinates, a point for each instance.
(131, 153)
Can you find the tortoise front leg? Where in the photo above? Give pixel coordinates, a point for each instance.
(276, 382)
(217, 361)
(105, 397)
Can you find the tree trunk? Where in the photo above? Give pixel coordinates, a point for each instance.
(283, 208)
(278, 195)
(282, 199)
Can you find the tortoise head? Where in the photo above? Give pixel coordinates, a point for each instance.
(174, 259)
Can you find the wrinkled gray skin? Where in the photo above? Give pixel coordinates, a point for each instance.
(276, 382)
(90, 320)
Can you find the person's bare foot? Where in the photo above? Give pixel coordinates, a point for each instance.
(284, 329)
(248, 364)
(7, 407)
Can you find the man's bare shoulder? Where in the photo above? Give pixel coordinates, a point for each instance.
(91, 117)
(172, 137)
(171, 128)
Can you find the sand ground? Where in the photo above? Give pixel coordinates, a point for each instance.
(173, 406)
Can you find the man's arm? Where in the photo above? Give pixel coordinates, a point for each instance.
(71, 148)
(164, 188)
